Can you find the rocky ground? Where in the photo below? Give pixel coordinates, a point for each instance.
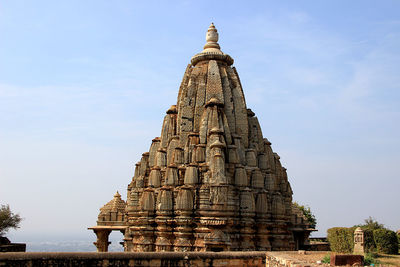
(315, 256)
(305, 256)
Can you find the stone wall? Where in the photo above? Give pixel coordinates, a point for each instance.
(176, 259)
(13, 247)
(231, 259)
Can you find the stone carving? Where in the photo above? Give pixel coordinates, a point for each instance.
(359, 241)
(164, 218)
(210, 181)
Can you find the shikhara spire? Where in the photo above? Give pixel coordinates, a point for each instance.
(210, 181)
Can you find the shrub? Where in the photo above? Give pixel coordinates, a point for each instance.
(369, 243)
(386, 241)
(326, 259)
(370, 259)
(341, 239)
(398, 237)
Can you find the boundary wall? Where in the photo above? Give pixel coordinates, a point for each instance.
(170, 259)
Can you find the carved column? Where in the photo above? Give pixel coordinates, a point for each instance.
(102, 239)
(359, 241)
(262, 217)
(164, 218)
(133, 209)
(247, 212)
(146, 221)
(184, 220)
(203, 206)
(128, 245)
(279, 231)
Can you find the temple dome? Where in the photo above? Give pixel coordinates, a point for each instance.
(210, 181)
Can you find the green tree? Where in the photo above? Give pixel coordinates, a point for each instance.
(8, 219)
(372, 224)
(308, 214)
(386, 241)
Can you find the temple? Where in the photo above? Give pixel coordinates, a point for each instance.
(210, 181)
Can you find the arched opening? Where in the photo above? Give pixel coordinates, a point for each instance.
(116, 237)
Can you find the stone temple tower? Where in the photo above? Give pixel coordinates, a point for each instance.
(210, 181)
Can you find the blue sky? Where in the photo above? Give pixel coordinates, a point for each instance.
(84, 86)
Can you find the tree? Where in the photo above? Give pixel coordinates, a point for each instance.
(386, 241)
(8, 219)
(308, 214)
(372, 224)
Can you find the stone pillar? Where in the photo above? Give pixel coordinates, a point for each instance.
(184, 209)
(358, 241)
(145, 241)
(164, 218)
(262, 217)
(203, 205)
(279, 233)
(133, 210)
(102, 239)
(128, 245)
(247, 212)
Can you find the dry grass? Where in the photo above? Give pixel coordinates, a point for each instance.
(386, 259)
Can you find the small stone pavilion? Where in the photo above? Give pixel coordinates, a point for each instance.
(210, 181)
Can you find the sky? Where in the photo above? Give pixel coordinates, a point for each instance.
(84, 86)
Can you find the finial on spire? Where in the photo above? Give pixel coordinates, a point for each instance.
(212, 38)
(211, 49)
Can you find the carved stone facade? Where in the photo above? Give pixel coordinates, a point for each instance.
(358, 241)
(210, 181)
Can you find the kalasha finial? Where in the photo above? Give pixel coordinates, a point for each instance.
(211, 49)
(212, 38)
